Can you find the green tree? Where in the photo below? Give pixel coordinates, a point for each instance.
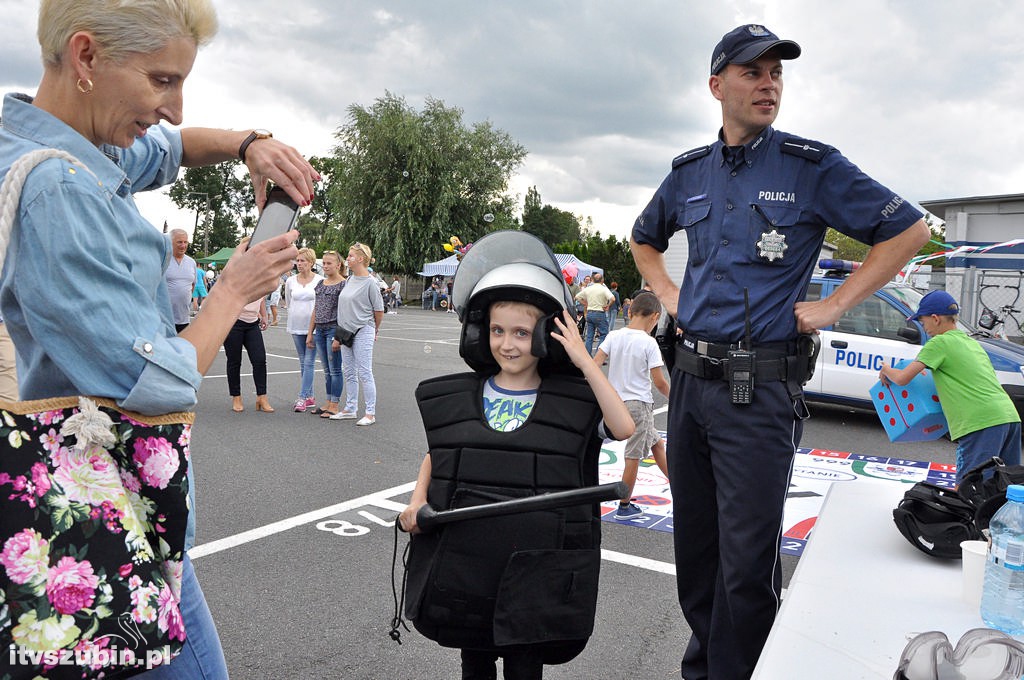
(610, 254)
(222, 198)
(547, 222)
(407, 180)
(848, 248)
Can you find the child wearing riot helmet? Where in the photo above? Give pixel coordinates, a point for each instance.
(520, 587)
(634, 362)
(982, 418)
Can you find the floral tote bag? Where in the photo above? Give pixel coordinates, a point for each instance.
(93, 507)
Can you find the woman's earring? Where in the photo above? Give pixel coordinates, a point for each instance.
(87, 88)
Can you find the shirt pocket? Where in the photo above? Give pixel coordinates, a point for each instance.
(772, 232)
(695, 223)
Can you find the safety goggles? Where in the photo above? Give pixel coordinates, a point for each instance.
(980, 654)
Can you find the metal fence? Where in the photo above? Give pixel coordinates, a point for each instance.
(984, 292)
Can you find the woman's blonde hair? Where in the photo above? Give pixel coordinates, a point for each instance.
(123, 27)
(364, 250)
(308, 254)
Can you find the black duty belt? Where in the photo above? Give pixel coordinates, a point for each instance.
(710, 366)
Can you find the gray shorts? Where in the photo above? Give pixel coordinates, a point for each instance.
(645, 436)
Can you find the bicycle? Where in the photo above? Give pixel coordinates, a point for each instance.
(992, 323)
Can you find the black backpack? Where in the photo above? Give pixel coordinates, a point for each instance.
(936, 519)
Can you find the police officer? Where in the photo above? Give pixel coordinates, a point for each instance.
(754, 207)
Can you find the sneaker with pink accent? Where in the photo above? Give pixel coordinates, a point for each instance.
(310, 402)
(300, 405)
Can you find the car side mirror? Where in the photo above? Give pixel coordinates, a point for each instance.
(911, 334)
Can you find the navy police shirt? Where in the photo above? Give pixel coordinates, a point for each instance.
(755, 217)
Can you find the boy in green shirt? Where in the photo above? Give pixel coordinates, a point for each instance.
(982, 419)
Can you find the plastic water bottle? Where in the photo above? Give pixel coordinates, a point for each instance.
(1002, 600)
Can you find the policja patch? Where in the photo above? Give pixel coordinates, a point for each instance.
(772, 245)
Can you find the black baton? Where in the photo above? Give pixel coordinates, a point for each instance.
(427, 517)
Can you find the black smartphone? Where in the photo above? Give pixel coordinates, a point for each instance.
(278, 216)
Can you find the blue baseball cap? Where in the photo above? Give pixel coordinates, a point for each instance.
(936, 302)
(745, 44)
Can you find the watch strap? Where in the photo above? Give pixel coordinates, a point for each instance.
(252, 137)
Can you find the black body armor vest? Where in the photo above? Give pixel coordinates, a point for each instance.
(524, 579)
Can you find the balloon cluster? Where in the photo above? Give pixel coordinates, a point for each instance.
(569, 273)
(455, 245)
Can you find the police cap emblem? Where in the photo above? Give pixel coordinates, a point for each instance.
(757, 31)
(772, 245)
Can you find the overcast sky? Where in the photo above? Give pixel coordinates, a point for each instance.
(925, 96)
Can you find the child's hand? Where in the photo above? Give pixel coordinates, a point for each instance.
(407, 518)
(571, 340)
(883, 377)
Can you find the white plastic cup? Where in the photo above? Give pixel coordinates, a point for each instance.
(974, 555)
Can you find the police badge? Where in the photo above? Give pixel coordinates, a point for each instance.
(772, 245)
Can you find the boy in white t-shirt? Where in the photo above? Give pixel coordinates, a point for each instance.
(634, 362)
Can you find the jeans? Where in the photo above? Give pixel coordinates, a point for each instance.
(307, 365)
(980, 446)
(596, 321)
(202, 657)
(357, 365)
(249, 335)
(323, 336)
(612, 314)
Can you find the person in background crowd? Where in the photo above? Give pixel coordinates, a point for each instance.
(321, 331)
(300, 296)
(360, 313)
(396, 291)
(626, 306)
(111, 73)
(199, 292)
(597, 298)
(181, 278)
(730, 461)
(273, 302)
(248, 332)
(613, 310)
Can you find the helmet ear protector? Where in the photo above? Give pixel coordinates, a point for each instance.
(518, 282)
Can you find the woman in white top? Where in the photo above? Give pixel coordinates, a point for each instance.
(300, 296)
(360, 311)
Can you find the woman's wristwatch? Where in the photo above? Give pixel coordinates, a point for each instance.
(253, 136)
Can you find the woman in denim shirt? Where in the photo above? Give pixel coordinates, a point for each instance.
(112, 73)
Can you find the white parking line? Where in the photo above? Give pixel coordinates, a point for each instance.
(381, 499)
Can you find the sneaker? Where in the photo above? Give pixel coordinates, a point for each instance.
(343, 415)
(310, 402)
(630, 511)
(367, 420)
(300, 405)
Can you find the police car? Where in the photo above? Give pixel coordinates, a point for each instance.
(876, 332)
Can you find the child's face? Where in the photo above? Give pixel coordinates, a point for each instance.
(511, 337)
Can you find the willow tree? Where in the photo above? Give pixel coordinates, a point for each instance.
(409, 180)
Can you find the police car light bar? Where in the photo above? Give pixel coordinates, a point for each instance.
(838, 265)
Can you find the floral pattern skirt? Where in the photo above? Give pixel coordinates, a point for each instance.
(93, 507)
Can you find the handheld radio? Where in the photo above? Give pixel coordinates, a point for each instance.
(741, 363)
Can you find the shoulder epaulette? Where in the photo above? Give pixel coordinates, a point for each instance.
(691, 155)
(805, 148)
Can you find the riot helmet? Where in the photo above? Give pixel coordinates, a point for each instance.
(511, 266)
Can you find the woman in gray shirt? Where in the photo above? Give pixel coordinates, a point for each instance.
(360, 311)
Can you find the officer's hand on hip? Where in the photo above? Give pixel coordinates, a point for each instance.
(810, 316)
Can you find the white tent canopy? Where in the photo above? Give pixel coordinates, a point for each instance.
(448, 265)
(445, 267)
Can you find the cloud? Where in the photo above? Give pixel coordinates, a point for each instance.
(921, 95)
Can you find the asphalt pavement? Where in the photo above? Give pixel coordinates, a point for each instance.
(295, 525)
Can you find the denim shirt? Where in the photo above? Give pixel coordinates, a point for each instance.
(82, 290)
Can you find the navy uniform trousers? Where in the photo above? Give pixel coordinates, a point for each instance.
(729, 467)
